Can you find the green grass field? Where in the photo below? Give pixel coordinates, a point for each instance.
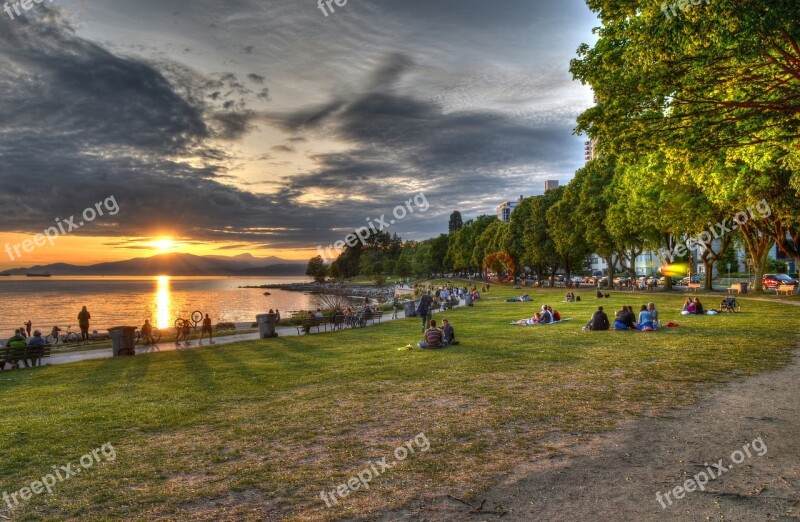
(256, 430)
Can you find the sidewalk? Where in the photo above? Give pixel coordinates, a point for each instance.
(88, 355)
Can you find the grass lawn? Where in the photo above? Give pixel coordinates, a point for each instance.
(254, 431)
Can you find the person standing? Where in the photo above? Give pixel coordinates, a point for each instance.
(206, 330)
(83, 323)
(28, 326)
(424, 309)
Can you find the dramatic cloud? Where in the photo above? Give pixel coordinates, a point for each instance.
(345, 118)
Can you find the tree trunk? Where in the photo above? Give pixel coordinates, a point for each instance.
(610, 262)
(758, 246)
(709, 257)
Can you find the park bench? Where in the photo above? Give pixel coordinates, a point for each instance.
(313, 322)
(24, 354)
(786, 289)
(693, 286)
(337, 322)
(376, 316)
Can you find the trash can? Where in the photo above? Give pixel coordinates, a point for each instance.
(468, 300)
(743, 287)
(122, 340)
(266, 325)
(410, 308)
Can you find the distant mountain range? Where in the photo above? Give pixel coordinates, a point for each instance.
(176, 265)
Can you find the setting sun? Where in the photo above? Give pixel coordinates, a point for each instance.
(163, 243)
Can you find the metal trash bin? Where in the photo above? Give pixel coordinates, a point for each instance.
(410, 309)
(743, 287)
(266, 325)
(468, 300)
(123, 340)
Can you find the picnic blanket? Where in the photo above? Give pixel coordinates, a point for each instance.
(514, 323)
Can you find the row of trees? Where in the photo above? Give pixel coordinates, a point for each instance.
(696, 121)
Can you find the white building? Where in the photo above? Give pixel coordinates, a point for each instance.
(506, 208)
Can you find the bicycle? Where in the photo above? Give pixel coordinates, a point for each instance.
(155, 334)
(182, 328)
(67, 338)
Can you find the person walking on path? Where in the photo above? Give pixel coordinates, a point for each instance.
(83, 323)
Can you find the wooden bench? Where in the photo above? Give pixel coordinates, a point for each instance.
(786, 289)
(24, 354)
(693, 286)
(337, 322)
(313, 322)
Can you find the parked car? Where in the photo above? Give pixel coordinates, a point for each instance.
(685, 280)
(662, 281)
(775, 280)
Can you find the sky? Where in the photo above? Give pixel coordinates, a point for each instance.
(271, 128)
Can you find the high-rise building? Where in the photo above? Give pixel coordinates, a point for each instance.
(588, 150)
(550, 184)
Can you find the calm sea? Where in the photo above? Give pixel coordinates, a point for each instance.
(119, 301)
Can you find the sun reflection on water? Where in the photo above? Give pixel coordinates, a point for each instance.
(163, 312)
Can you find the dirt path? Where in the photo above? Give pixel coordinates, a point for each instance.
(617, 475)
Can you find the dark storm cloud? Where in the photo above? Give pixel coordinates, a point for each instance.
(436, 150)
(83, 123)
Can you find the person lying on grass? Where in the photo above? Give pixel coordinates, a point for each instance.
(432, 337)
(599, 321)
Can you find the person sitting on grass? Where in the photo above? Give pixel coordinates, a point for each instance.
(570, 297)
(624, 320)
(545, 317)
(652, 307)
(599, 321)
(646, 320)
(448, 334)
(432, 337)
(688, 305)
(554, 313)
(698, 307)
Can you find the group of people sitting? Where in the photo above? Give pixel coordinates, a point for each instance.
(438, 337)
(625, 319)
(692, 307)
(20, 341)
(546, 316)
(571, 298)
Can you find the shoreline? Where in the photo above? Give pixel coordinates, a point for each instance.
(381, 294)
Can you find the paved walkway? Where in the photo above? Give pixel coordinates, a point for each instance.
(87, 355)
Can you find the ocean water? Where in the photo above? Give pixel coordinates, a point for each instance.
(128, 301)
